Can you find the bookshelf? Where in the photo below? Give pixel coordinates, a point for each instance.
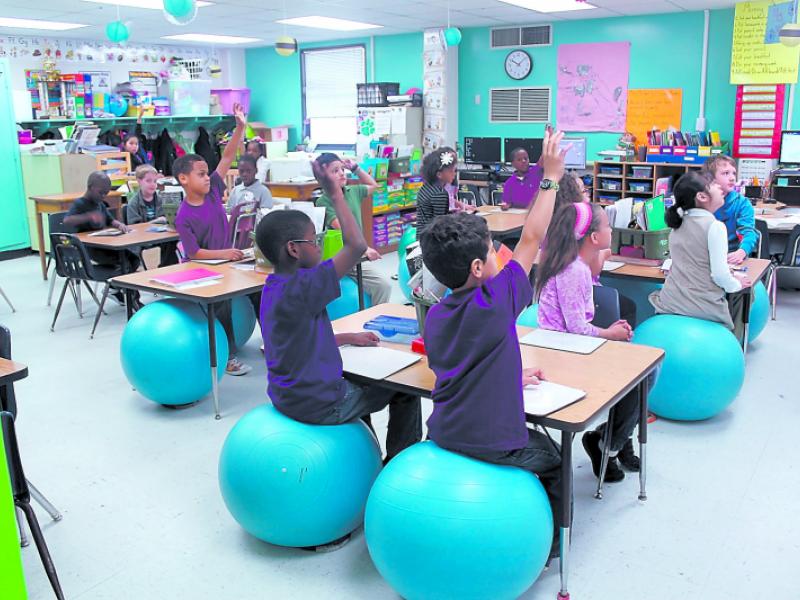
(614, 180)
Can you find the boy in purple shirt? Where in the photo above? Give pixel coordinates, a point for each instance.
(202, 222)
(471, 338)
(519, 190)
(303, 360)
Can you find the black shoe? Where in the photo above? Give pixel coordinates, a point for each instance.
(627, 457)
(591, 443)
(119, 296)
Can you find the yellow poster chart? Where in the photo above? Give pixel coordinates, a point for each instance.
(758, 55)
(659, 108)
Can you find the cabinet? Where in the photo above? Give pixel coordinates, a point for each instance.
(638, 180)
(398, 125)
(14, 229)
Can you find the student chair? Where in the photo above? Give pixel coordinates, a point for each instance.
(496, 197)
(230, 182)
(73, 263)
(788, 262)
(55, 222)
(606, 306)
(22, 499)
(243, 219)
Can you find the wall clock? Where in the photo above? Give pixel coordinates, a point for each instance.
(519, 64)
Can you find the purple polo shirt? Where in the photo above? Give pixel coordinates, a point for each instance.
(521, 193)
(204, 226)
(303, 361)
(472, 347)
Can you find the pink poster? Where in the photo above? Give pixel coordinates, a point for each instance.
(593, 86)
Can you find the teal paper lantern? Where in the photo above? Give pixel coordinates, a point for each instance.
(117, 32)
(452, 36)
(180, 12)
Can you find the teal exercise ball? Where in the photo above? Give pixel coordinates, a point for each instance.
(244, 320)
(703, 369)
(442, 525)
(529, 316)
(347, 303)
(403, 277)
(759, 311)
(293, 484)
(408, 238)
(164, 352)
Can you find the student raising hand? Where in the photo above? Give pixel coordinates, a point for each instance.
(238, 113)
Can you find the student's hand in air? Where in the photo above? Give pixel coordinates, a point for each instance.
(552, 156)
(737, 257)
(238, 113)
(232, 254)
(744, 280)
(532, 376)
(365, 338)
(328, 185)
(372, 254)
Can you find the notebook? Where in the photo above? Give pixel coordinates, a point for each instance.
(548, 397)
(654, 214)
(190, 278)
(106, 232)
(557, 340)
(612, 265)
(375, 362)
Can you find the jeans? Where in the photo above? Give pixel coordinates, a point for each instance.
(736, 309)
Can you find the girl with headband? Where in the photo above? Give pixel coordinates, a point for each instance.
(578, 236)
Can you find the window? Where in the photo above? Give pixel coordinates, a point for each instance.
(329, 83)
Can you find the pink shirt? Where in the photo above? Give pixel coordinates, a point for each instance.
(567, 301)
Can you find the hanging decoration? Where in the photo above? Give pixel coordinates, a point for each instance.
(452, 36)
(180, 12)
(285, 45)
(117, 32)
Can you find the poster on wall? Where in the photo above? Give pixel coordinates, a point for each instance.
(758, 55)
(593, 86)
(758, 122)
(434, 76)
(656, 108)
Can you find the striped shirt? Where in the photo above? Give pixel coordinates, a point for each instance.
(432, 201)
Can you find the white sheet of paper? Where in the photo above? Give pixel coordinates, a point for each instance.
(624, 208)
(612, 265)
(548, 397)
(557, 340)
(375, 362)
(666, 265)
(517, 211)
(210, 261)
(398, 122)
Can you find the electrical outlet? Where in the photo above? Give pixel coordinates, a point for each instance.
(477, 98)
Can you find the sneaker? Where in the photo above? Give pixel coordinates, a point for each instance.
(329, 547)
(591, 443)
(627, 457)
(237, 368)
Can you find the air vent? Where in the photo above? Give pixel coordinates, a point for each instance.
(510, 37)
(519, 105)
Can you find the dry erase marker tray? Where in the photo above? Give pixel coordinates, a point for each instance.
(394, 329)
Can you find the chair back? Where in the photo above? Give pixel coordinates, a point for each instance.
(789, 258)
(243, 221)
(230, 182)
(113, 164)
(8, 401)
(762, 250)
(72, 258)
(606, 306)
(19, 487)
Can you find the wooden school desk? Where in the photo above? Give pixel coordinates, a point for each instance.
(607, 375)
(59, 203)
(11, 371)
(138, 238)
(235, 282)
(502, 222)
(296, 191)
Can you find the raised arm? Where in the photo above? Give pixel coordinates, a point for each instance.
(235, 142)
(364, 177)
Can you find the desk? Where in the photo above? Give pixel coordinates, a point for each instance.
(234, 283)
(11, 371)
(59, 203)
(606, 375)
(295, 191)
(502, 222)
(779, 221)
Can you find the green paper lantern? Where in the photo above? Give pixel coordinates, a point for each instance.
(117, 32)
(452, 36)
(180, 12)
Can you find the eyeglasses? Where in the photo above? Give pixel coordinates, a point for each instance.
(312, 242)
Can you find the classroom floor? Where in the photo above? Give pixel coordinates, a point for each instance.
(143, 516)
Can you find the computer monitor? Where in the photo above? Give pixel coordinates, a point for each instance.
(532, 145)
(790, 148)
(482, 151)
(576, 155)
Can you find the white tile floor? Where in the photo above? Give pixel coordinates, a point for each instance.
(143, 516)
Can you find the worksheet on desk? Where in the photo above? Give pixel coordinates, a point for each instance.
(548, 397)
(375, 362)
(567, 342)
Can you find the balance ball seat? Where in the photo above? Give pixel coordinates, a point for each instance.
(759, 311)
(442, 525)
(529, 317)
(244, 320)
(293, 484)
(347, 302)
(703, 369)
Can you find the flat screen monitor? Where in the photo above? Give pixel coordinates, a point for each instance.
(790, 147)
(532, 145)
(482, 151)
(576, 155)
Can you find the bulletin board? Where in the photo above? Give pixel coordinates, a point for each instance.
(660, 108)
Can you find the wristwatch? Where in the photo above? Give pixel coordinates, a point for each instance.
(548, 184)
(355, 168)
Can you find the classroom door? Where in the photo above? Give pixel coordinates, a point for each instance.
(14, 230)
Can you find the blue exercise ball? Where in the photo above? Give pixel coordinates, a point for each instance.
(759, 311)
(529, 317)
(117, 105)
(293, 484)
(408, 238)
(703, 369)
(347, 302)
(442, 525)
(244, 320)
(403, 277)
(164, 352)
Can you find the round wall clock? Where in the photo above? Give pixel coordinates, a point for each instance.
(519, 64)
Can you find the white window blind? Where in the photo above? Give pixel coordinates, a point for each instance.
(329, 92)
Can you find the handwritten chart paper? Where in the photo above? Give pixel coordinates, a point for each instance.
(653, 108)
(593, 86)
(755, 58)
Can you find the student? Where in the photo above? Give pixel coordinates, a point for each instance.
(250, 189)
(202, 222)
(433, 199)
(376, 284)
(578, 235)
(520, 190)
(90, 213)
(571, 190)
(700, 274)
(737, 212)
(303, 362)
(134, 146)
(146, 207)
(253, 148)
(471, 338)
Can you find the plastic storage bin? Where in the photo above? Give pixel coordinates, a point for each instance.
(394, 329)
(610, 170)
(610, 184)
(190, 98)
(230, 96)
(654, 243)
(642, 171)
(375, 94)
(640, 186)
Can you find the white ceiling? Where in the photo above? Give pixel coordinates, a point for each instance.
(256, 18)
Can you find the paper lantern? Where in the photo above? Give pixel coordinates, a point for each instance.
(285, 45)
(180, 12)
(452, 36)
(790, 34)
(117, 32)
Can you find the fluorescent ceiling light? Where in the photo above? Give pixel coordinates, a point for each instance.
(210, 39)
(36, 24)
(548, 6)
(151, 4)
(328, 23)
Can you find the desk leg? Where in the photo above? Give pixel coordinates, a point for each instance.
(40, 236)
(212, 348)
(566, 511)
(360, 283)
(747, 303)
(644, 390)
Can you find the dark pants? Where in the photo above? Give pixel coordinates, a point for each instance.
(624, 417)
(111, 258)
(736, 309)
(225, 316)
(169, 254)
(627, 310)
(405, 414)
